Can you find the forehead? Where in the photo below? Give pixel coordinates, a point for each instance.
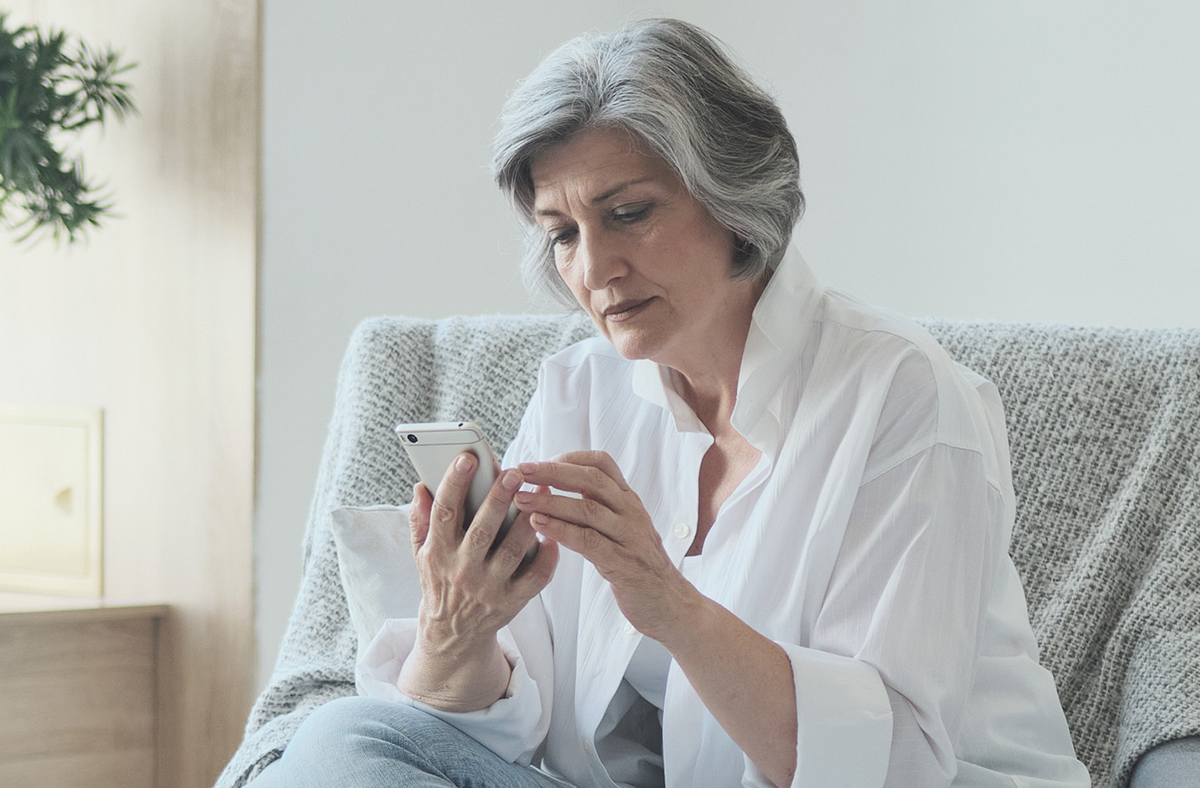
(593, 160)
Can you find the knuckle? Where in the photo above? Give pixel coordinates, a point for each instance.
(510, 552)
(442, 513)
(592, 510)
(591, 538)
(537, 576)
(478, 540)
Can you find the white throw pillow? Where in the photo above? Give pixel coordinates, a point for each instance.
(376, 565)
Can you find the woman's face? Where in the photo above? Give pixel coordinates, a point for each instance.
(643, 258)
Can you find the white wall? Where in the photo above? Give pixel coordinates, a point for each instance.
(1016, 161)
(153, 320)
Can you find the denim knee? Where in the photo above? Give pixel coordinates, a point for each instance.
(357, 742)
(349, 725)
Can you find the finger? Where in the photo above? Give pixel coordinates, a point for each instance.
(418, 516)
(577, 511)
(508, 556)
(538, 574)
(446, 514)
(588, 542)
(481, 533)
(587, 480)
(597, 459)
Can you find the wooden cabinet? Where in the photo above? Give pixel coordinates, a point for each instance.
(78, 696)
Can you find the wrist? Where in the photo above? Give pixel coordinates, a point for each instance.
(685, 611)
(455, 676)
(445, 643)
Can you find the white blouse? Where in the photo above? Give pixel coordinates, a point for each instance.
(870, 542)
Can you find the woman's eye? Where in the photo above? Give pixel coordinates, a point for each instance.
(560, 237)
(631, 213)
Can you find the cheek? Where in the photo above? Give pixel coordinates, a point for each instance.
(564, 273)
(567, 274)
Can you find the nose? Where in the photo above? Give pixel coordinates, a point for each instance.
(600, 258)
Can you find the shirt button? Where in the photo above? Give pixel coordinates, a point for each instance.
(630, 629)
(682, 530)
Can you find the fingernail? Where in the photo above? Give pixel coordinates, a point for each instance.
(527, 467)
(524, 497)
(538, 519)
(511, 480)
(463, 463)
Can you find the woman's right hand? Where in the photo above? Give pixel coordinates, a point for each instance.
(468, 590)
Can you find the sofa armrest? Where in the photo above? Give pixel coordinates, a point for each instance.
(1172, 764)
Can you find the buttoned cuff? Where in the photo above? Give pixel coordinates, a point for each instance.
(508, 727)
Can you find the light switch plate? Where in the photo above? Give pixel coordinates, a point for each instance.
(51, 500)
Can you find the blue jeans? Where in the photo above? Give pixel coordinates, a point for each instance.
(367, 743)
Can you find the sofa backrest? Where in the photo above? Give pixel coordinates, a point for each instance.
(1104, 426)
(1104, 430)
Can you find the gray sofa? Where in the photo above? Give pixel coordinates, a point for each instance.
(1105, 432)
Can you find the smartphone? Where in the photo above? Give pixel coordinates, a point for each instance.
(433, 446)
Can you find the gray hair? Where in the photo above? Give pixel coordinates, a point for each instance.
(673, 86)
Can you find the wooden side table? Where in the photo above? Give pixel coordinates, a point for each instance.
(77, 693)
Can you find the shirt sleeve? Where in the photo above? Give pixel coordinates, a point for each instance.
(515, 725)
(892, 653)
(844, 723)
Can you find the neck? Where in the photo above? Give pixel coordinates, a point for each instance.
(708, 382)
(711, 397)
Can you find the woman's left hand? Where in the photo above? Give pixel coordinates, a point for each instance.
(610, 528)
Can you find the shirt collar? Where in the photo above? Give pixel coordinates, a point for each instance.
(652, 382)
(782, 325)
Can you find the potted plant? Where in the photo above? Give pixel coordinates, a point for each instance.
(52, 88)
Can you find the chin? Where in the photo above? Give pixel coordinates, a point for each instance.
(632, 346)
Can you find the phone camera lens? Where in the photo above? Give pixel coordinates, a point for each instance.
(412, 438)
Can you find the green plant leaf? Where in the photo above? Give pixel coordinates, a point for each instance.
(51, 88)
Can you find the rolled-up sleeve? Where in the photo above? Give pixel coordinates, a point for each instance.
(905, 604)
(513, 727)
(843, 723)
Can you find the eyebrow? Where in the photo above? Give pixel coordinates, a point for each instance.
(599, 198)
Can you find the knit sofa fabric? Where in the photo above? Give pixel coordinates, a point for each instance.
(1104, 426)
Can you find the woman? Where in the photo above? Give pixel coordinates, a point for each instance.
(774, 521)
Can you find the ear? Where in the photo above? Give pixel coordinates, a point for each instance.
(742, 250)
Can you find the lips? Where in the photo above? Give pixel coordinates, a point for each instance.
(623, 310)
